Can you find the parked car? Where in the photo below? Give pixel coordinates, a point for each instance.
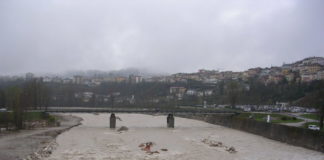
(3, 109)
(313, 127)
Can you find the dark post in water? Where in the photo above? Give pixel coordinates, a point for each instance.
(112, 121)
(170, 121)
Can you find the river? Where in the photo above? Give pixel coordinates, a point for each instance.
(189, 140)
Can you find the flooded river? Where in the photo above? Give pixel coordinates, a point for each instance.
(190, 140)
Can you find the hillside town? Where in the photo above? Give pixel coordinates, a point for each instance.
(306, 70)
(180, 88)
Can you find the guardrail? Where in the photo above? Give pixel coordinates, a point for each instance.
(102, 110)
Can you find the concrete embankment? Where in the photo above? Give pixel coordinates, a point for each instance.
(36, 143)
(292, 135)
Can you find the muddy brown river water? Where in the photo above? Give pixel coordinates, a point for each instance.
(190, 140)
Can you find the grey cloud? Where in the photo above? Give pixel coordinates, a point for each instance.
(163, 35)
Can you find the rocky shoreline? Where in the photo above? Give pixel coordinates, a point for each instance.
(37, 143)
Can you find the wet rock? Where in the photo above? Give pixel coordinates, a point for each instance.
(231, 150)
(122, 128)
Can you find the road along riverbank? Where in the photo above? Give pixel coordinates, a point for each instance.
(147, 137)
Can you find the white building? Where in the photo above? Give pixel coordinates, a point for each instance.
(191, 92)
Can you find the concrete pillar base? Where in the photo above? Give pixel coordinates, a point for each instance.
(170, 121)
(112, 121)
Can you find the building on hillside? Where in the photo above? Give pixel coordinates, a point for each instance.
(47, 79)
(177, 90)
(108, 79)
(96, 81)
(120, 79)
(57, 79)
(274, 79)
(313, 60)
(135, 79)
(208, 92)
(84, 96)
(200, 94)
(67, 81)
(308, 77)
(320, 75)
(78, 79)
(254, 71)
(210, 81)
(285, 71)
(310, 69)
(290, 77)
(191, 92)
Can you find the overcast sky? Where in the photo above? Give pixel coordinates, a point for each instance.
(159, 35)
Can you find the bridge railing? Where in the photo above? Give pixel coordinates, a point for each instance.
(130, 110)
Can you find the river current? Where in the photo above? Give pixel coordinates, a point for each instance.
(189, 140)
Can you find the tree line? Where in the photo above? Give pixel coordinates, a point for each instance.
(35, 94)
(21, 97)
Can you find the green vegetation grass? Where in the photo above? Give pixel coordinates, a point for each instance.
(310, 116)
(28, 116)
(276, 118)
(6, 117)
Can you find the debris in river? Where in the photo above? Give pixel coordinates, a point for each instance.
(119, 118)
(164, 149)
(122, 128)
(150, 153)
(43, 152)
(147, 147)
(231, 150)
(213, 143)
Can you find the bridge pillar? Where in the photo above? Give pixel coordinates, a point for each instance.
(170, 121)
(112, 120)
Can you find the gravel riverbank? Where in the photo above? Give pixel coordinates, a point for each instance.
(34, 144)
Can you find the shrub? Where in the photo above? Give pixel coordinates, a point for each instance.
(284, 118)
(51, 119)
(44, 115)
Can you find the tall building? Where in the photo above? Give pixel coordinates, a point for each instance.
(135, 79)
(78, 79)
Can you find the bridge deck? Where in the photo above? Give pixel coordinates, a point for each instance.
(109, 110)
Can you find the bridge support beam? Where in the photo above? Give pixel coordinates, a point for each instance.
(170, 121)
(112, 121)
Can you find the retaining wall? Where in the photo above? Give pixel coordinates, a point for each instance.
(292, 135)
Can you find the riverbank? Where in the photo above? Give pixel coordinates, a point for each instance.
(30, 144)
